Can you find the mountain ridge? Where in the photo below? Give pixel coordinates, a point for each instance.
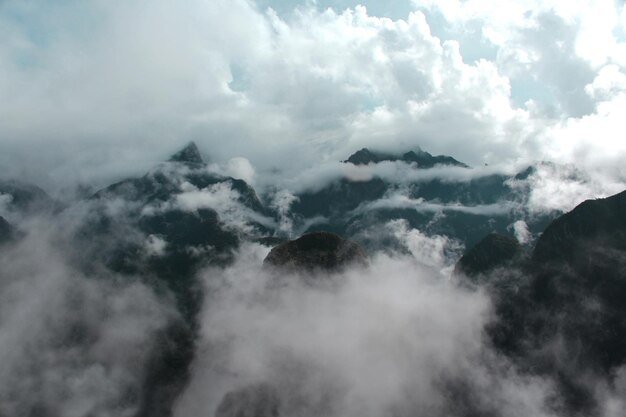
(423, 159)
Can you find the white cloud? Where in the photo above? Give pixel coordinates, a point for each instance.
(219, 197)
(129, 87)
(122, 85)
(419, 204)
(155, 245)
(522, 234)
(437, 252)
(241, 168)
(563, 187)
(364, 343)
(282, 202)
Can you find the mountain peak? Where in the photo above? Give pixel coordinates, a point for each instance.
(365, 156)
(422, 158)
(316, 251)
(494, 250)
(189, 153)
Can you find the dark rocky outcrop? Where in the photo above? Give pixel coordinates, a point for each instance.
(323, 251)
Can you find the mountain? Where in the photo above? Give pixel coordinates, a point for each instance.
(189, 154)
(27, 199)
(558, 309)
(465, 207)
(561, 311)
(421, 158)
(319, 251)
(165, 226)
(180, 205)
(572, 236)
(579, 263)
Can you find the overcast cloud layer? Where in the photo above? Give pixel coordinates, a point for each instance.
(96, 90)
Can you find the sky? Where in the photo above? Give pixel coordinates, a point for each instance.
(97, 90)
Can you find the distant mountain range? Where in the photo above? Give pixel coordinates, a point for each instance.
(181, 216)
(422, 159)
(465, 208)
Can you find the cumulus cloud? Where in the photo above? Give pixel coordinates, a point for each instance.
(284, 92)
(170, 76)
(565, 63)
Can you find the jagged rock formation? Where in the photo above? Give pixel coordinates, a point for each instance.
(421, 158)
(168, 204)
(316, 251)
(168, 227)
(493, 251)
(189, 154)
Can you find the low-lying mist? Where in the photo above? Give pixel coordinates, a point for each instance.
(71, 344)
(397, 337)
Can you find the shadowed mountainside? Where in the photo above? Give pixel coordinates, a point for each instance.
(561, 312)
